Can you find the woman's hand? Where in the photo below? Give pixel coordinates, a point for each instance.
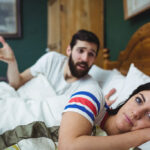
(107, 96)
(6, 53)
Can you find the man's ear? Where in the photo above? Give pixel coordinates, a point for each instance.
(68, 50)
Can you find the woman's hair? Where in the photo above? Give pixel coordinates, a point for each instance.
(143, 87)
(84, 35)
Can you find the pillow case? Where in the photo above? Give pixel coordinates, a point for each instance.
(37, 88)
(100, 74)
(116, 81)
(134, 78)
(108, 79)
(103, 76)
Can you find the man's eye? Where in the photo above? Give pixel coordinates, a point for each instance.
(91, 54)
(138, 100)
(80, 50)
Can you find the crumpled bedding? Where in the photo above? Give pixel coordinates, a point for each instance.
(30, 116)
(30, 119)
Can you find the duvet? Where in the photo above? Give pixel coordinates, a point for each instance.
(30, 117)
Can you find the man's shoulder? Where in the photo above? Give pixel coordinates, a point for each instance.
(54, 53)
(54, 56)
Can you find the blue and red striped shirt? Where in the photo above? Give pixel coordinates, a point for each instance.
(86, 104)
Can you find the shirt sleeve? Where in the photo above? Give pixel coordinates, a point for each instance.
(86, 103)
(42, 64)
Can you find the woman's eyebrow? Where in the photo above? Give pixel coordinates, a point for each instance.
(143, 97)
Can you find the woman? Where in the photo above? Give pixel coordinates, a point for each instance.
(127, 126)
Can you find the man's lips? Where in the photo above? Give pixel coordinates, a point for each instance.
(128, 120)
(82, 66)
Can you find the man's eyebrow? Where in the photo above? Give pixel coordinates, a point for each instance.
(85, 48)
(143, 97)
(93, 51)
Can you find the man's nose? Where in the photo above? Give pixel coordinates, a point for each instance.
(85, 57)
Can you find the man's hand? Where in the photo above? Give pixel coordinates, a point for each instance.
(107, 96)
(6, 53)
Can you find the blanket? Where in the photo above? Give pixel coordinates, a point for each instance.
(30, 117)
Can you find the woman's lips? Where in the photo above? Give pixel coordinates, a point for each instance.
(128, 120)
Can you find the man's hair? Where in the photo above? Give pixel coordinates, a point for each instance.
(84, 35)
(143, 87)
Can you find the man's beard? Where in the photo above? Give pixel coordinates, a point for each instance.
(76, 72)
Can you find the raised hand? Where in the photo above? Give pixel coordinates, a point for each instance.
(110, 93)
(6, 53)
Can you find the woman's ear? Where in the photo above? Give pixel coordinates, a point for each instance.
(68, 50)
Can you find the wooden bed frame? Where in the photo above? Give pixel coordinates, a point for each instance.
(137, 51)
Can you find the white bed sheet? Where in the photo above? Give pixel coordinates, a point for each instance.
(38, 102)
(32, 102)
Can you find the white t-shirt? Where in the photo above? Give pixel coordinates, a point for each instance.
(52, 66)
(90, 101)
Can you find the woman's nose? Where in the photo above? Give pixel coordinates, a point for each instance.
(137, 114)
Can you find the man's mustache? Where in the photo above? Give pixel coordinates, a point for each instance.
(82, 63)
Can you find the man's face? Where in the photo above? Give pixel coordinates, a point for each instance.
(81, 58)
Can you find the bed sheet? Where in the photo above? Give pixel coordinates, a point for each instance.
(35, 107)
(29, 120)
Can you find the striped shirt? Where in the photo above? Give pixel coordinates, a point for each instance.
(88, 104)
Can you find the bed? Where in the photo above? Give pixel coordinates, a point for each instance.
(134, 65)
(137, 51)
(38, 129)
(131, 67)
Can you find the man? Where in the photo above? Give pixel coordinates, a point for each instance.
(65, 75)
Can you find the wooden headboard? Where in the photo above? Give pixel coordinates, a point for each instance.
(137, 51)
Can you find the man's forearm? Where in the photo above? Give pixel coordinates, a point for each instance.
(13, 75)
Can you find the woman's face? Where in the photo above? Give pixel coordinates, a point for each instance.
(135, 114)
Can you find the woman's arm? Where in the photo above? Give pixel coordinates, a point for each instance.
(75, 133)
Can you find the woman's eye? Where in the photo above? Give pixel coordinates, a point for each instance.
(148, 114)
(138, 100)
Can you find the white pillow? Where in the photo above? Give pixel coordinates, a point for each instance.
(108, 79)
(101, 75)
(145, 146)
(37, 88)
(134, 78)
(116, 81)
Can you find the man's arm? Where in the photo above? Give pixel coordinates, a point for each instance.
(75, 133)
(15, 79)
(18, 79)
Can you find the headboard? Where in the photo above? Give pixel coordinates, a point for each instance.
(137, 51)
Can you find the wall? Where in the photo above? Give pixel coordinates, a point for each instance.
(117, 30)
(33, 42)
